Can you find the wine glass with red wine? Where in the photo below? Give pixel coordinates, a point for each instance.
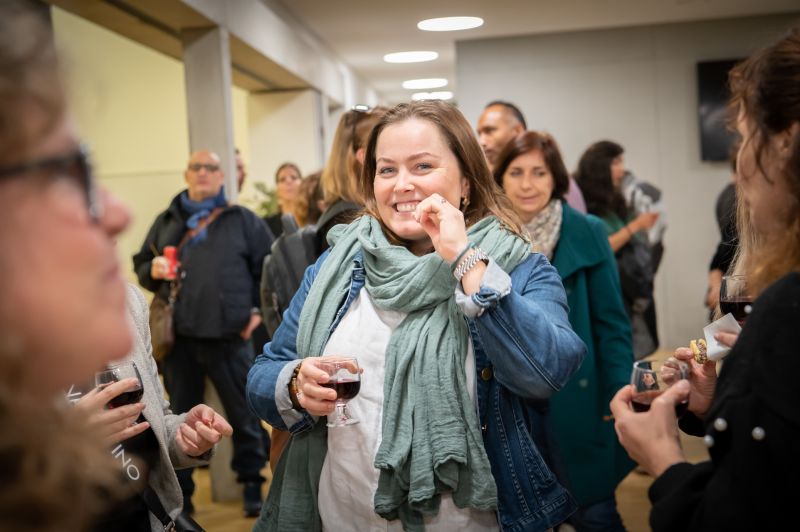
(118, 372)
(734, 297)
(650, 378)
(345, 379)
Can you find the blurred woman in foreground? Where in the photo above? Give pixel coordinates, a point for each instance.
(62, 314)
(749, 417)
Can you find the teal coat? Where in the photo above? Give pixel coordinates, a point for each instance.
(587, 444)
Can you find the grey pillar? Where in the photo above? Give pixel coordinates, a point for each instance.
(207, 69)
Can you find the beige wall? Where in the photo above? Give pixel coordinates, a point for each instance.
(129, 104)
(283, 126)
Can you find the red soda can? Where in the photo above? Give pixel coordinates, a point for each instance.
(171, 254)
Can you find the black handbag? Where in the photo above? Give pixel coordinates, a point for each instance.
(182, 523)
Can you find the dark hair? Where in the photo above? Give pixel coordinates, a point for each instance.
(765, 88)
(594, 179)
(513, 109)
(485, 197)
(535, 141)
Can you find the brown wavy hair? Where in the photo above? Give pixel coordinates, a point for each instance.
(765, 90)
(55, 472)
(486, 198)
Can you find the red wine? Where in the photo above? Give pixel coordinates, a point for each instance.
(738, 306)
(345, 390)
(126, 398)
(680, 408)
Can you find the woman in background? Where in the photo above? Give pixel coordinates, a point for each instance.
(310, 204)
(287, 186)
(600, 173)
(532, 173)
(750, 416)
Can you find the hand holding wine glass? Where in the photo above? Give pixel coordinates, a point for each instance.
(116, 424)
(651, 378)
(735, 298)
(345, 379)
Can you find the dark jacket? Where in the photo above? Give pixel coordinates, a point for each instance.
(587, 444)
(753, 427)
(221, 273)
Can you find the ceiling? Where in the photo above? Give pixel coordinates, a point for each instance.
(362, 31)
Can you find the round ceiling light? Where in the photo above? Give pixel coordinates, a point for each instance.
(450, 23)
(436, 95)
(427, 83)
(410, 57)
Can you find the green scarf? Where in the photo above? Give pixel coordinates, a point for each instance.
(426, 402)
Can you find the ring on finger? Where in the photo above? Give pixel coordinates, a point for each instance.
(442, 201)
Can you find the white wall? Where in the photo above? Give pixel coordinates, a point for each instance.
(284, 126)
(636, 86)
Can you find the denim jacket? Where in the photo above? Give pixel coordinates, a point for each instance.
(525, 350)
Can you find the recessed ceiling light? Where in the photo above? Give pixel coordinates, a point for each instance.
(450, 23)
(410, 57)
(436, 95)
(429, 83)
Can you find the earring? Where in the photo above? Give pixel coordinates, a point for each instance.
(464, 203)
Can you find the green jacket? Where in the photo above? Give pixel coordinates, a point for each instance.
(587, 444)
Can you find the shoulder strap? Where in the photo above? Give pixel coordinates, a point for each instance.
(153, 504)
(191, 233)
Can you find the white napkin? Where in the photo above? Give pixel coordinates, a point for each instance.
(726, 324)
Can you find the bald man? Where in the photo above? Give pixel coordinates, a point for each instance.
(222, 248)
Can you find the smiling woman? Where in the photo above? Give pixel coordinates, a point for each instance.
(421, 291)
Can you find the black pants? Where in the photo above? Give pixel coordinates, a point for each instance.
(226, 362)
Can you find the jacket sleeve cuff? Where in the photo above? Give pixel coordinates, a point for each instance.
(665, 484)
(495, 285)
(296, 421)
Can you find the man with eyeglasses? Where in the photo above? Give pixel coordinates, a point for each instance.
(220, 251)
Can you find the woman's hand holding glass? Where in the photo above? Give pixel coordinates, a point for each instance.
(116, 424)
(311, 395)
(651, 438)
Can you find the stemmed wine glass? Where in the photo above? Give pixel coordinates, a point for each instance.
(118, 372)
(651, 378)
(345, 379)
(734, 297)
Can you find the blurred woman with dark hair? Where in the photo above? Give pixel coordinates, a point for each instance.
(750, 416)
(601, 170)
(532, 173)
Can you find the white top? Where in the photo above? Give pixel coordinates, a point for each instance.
(349, 478)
